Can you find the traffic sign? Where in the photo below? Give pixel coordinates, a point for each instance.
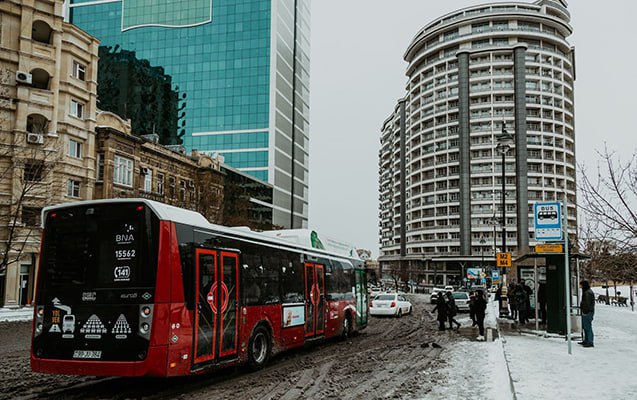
(548, 248)
(503, 259)
(548, 220)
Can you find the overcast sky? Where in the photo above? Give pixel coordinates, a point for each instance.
(358, 74)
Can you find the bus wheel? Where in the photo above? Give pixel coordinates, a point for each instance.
(347, 327)
(259, 348)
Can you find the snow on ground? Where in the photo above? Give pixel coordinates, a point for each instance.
(16, 314)
(541, 368)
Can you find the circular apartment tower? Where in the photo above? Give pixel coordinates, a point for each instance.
(470, 72)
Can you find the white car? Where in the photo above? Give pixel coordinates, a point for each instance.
(434, 295)
(462, 300)
(393, 304)
(374, 291)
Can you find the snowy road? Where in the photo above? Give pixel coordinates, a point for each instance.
(387, 360)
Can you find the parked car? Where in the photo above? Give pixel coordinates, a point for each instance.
(374, 291)
(392, 304)
(462, 300)
(434, 294)
(448, 288)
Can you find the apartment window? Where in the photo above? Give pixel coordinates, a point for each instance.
(182, 190)
(100, 166)
(79, 71)
(75, 149)
(77, 109)
(148, 180)
(123, 173)
(73, 188)
(33, 171)
(31, 216)
(160, 183)
(171, 183)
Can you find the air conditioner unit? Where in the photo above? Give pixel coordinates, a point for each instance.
(144, 170)
(23, 77)
(35, 138)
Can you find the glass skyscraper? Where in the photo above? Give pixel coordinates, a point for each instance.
(243, 67)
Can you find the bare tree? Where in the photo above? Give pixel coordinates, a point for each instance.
(609, 205)
(27, 180)
(609, 200)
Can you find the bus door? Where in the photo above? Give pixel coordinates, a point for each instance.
(216, 322)
(361, 297)
(314, 299)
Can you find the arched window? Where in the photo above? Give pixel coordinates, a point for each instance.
(37, 123)
(41, 32)
(41, 78)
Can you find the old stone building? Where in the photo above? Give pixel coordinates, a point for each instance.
(134, 166)
(47, 102)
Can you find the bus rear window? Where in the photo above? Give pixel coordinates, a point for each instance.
(99, 247)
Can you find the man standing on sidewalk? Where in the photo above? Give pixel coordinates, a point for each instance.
(587, 306)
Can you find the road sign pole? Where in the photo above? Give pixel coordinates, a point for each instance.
(567, 274)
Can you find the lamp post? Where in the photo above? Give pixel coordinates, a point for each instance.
(482, 243)
(505, 141)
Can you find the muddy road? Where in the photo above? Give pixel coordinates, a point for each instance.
(392, 358)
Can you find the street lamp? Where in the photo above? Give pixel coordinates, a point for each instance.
(482, 243)
(505, 142)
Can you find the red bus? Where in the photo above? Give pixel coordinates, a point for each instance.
(133, 287)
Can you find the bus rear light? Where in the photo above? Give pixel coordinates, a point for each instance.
(145, 320)
(39, 320)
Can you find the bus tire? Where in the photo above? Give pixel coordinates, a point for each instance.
(347, 326)
(259, 348)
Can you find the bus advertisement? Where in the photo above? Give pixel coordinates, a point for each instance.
(133, 287)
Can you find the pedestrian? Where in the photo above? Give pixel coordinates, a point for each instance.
(472, 308)
(541, 301)
(521, 299)
(498, 298)
(587, 307)
(441, 307)
(513, 303)
(480, 307)
(452, 311)
(529, 292)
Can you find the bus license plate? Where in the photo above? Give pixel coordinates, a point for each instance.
(87, 354)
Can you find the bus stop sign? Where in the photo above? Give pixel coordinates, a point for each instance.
(548, 220)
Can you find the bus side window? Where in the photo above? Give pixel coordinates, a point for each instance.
(292, 278)
(251, 280)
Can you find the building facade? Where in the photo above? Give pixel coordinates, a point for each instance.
(242, 71)
(47, 143)
(473, 74)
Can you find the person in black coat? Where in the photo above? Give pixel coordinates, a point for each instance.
(587, 306)
(441, 307)
(541, 301)
(480, 309)
(452, 310)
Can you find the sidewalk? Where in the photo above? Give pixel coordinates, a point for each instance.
(540, 366)
(16, 314)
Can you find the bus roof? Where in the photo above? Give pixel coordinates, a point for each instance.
(193, 218)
